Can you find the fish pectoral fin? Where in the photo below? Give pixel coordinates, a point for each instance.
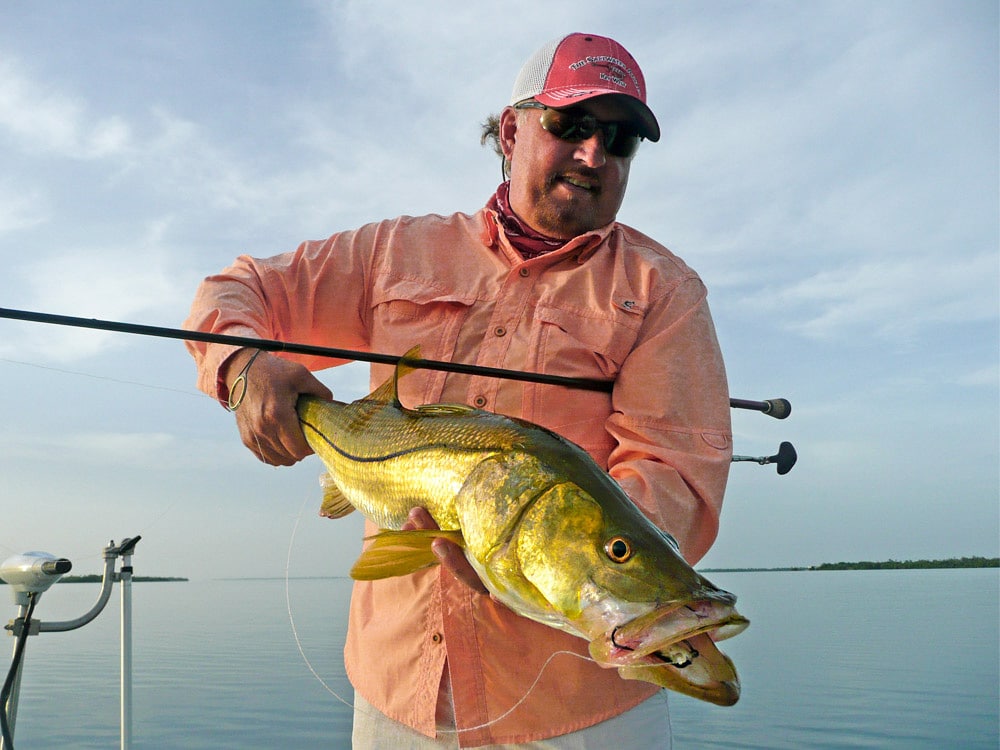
(334, 504)
(399, 553)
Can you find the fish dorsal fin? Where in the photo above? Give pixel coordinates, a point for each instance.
(388, 392)
(444, 409)
(399, 553)
(334, 504)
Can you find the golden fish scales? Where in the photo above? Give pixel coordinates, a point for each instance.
(550, 533)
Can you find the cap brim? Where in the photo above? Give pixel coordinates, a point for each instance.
(642, 116)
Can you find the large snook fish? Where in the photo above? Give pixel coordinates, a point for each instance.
(551, 535)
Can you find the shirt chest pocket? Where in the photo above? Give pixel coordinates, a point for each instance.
(583, 343)
(405, 313)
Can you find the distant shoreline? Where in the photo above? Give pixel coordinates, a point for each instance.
(951, 562)
(948, 563)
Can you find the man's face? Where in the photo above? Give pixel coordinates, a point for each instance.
(560, 188)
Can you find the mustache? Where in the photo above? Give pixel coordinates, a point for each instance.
(589, 176)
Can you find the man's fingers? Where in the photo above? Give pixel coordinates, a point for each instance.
(453, 558)
(262, 444)
(266, 414)
(419, 518)
(450, 554)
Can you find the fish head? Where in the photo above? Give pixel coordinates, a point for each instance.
(608, 574)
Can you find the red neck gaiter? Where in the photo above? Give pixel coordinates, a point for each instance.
(525, 240)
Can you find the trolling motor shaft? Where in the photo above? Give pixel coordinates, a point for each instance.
(32, 573)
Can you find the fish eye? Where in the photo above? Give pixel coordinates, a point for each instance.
(618, 549)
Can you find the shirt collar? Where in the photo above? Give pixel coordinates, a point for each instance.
(583, 246)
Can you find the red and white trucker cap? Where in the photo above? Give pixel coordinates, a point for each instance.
(581, 66)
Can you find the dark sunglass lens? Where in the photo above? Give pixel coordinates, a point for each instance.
(587, 125)
(560, 124)
(619, 140)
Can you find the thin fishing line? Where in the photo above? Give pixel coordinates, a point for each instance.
(291, 618)
(523, 698)
(196, 394)
(171, 506)
(331, 691)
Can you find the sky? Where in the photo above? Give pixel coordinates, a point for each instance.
(829, 168)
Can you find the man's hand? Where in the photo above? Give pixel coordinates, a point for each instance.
(450, 554)
(266, 416)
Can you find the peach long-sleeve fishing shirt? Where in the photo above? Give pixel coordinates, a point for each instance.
(610, 304)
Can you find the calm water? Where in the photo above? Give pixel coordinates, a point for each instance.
(868, 659)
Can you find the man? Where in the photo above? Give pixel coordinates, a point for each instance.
(544, 279)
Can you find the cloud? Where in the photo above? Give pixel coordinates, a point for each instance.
(117, 283)
(111, 282)
(21, 209)
(92, 447)
(42, 119)
(836, 167)
(148, 451)
(889, 297)
(986, 376)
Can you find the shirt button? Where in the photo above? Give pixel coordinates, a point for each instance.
(525, 273)
(500, 331)
(480, 401)
(437, 638)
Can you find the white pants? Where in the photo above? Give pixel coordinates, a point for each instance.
(645, 727)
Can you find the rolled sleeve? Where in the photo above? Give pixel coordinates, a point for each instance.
(316, 295)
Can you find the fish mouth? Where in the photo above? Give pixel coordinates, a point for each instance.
(674, 647)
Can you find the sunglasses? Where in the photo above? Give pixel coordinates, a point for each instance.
(620, 139)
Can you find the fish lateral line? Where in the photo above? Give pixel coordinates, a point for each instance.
(387, 456)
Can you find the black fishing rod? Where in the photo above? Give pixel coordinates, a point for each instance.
(778, 408)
